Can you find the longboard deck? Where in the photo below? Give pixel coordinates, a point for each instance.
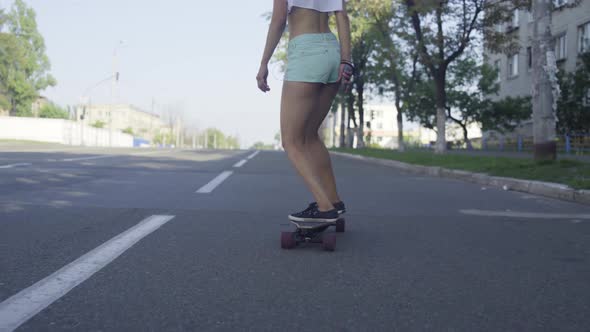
(312, 224)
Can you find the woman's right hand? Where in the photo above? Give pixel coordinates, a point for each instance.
(345, 76)
(262, 77)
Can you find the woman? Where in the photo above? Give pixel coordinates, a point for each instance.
(316, 66)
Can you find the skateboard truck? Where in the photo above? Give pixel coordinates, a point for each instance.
(312, 232)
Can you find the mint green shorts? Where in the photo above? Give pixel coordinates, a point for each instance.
(313, 57)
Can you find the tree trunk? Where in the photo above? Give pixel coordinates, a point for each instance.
(342, 123)
(466, 138)
(333, 129)
(400, 121)
(351, 118)
(12, 111)
(441, 116)
(361, 124)
(545, 88)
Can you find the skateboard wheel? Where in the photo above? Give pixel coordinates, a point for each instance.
(340, 225)
(287, 240)
(329, 241)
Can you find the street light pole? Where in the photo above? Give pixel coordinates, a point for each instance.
(113, 90)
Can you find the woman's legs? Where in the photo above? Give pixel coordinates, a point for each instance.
(299, 107)
(317, 154)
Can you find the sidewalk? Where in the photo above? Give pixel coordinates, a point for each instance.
(565, 180)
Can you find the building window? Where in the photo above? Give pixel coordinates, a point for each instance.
(529, 14)
(498, 71)
(515, 19)
(529, 57)
(559, 3)
(513, 65)
(498, 27)
(584, 38)
(586, 100)
(561, 47)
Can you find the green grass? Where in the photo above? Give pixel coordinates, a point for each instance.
(575, 174)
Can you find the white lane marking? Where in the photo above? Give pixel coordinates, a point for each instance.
(254, 154)
(109, 156)
(209, 187)
(89, 158)
(531, 215)
(20, 307)
(241, 163)
(15, 165)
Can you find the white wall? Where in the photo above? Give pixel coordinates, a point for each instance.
(60, 131)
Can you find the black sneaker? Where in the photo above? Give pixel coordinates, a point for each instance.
(338, 206)
(314, 215)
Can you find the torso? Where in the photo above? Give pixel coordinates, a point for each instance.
(303, 20)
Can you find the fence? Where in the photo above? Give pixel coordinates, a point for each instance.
(61, 131)
(568, 144)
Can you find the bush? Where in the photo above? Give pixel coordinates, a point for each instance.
(98, 124)
(52, 111)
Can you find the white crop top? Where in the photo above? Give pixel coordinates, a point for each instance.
(324, 6)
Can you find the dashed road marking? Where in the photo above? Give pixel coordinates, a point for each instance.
(240, 163)
(89, 158)
(15, 165)
(209, 187)
(20, 307)
(254, 154)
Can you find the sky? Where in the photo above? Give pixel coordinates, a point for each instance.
(196, 57)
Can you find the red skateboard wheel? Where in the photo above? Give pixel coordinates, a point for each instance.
(287, 240)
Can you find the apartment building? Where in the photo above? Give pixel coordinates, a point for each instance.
(122, 117)
(571, 30)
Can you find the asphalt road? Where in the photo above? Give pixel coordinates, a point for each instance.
(142, 250)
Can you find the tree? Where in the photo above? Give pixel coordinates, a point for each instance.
(444, 29)
(397, 70)
(17, 95)
(25, 65)
(215, 139)
(4, 101)
(163, 138)
(573, 106)
(505, 115)
(470, 84)
(261, 146)
(52, 111)
(364, 36)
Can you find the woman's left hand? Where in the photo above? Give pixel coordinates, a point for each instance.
(262, 77)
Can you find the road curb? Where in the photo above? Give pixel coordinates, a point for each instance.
(546, 189)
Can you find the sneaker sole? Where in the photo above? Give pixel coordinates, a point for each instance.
(313, 219)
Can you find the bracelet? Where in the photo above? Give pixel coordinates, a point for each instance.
(348, 63)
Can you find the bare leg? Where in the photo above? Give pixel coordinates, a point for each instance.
(317, 154)
(300, 100)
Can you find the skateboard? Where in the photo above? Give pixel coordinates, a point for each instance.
(312, 232)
